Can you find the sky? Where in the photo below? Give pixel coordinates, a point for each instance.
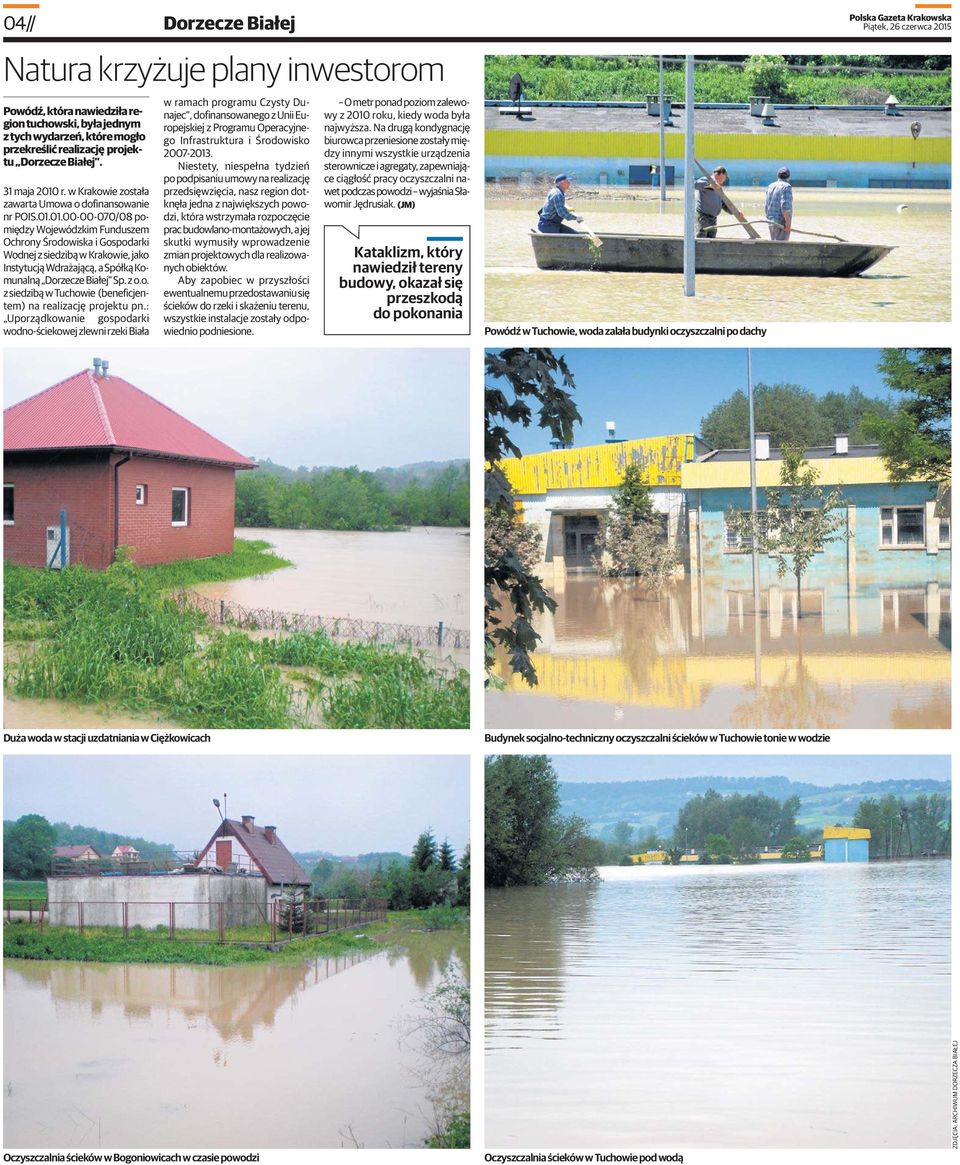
(365, 407)
(652, 392)
(346, 805)
(823, 770)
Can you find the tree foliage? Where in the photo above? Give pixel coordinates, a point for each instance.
(520, 384)
(915, 441)
(527, 841)
(28, 845)
(929, 817)
(747, 822)
(799, 518)
(350, 499)
(634, 541)
(792, 415)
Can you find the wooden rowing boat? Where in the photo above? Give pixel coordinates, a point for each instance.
(662, 253)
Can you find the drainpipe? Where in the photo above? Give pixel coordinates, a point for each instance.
(116, 500)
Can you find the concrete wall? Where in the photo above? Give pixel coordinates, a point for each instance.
(197, 899)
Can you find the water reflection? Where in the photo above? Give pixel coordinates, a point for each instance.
(278, 1055)
(696, 654)
(720, 1006)
(912, 283)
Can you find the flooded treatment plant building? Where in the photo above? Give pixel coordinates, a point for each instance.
(243, 869)
(94, 463)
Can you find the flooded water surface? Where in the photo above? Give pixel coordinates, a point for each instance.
(419, 576)
(694, 656)
(724, 1007)
(319, 1054)
(912, 283)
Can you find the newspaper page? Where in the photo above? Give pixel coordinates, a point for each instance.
(306, 314)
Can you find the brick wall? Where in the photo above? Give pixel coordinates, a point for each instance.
(80, 484)
(148, 528)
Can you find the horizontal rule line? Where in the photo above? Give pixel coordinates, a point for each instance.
(464, 40)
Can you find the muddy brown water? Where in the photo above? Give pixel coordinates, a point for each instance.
(613, 656)
(728, 1007)
(911, 284)
(321, 1054)
(419, 576)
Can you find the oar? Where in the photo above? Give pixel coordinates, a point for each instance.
(595, 239)
(729, 205)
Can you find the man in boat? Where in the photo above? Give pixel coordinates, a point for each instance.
(709, 202)
(778, 208)
(554, 214)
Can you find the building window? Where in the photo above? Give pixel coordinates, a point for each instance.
(902, 526)
(8, 505)
(140, 494)
(943, 539)
(180, 511)
(736, 541)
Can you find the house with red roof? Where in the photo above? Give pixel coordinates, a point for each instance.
(126, 470)
(243, 847)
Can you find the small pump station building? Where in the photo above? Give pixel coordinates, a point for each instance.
(842, 843)
(123, 468)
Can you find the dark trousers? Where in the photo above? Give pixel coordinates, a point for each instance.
(550, 226)
(706, 225)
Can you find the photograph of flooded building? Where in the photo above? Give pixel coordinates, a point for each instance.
(93, 463)
(861, 149)
(863, 640)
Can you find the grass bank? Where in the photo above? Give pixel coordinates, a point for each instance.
(24, 891)
(117, 639)
(106, 944)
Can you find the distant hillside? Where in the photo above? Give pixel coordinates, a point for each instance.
(105, 842)
(309, 858)
(656, 804)
(392, 477)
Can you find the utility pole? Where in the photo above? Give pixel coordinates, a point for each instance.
(689, 231)
(663, 153)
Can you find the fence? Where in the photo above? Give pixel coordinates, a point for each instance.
(248, 923)
(223, 611)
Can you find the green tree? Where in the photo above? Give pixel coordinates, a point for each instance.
(28, 847)
(424, 852)
(718, 849)
(768, 76)
(463, 880)
(505, 531)
(527, 841)
(446, 857)
(321, 874)
(634, 540)
(915, 441)
(799, 518)
(797, 849)
(515, 378)
(745, 839)
(623, 836)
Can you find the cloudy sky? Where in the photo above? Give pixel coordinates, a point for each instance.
(346, 805)
(365, 407)
(823, 770)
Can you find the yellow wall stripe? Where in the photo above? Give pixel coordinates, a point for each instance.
(713, 146)
(600, 466)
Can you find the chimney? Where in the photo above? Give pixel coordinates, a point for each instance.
(841, 444)
(762, 446)
(270, 833)
(611, 432)
(247, 822)
(96, 366)
(104, 367)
